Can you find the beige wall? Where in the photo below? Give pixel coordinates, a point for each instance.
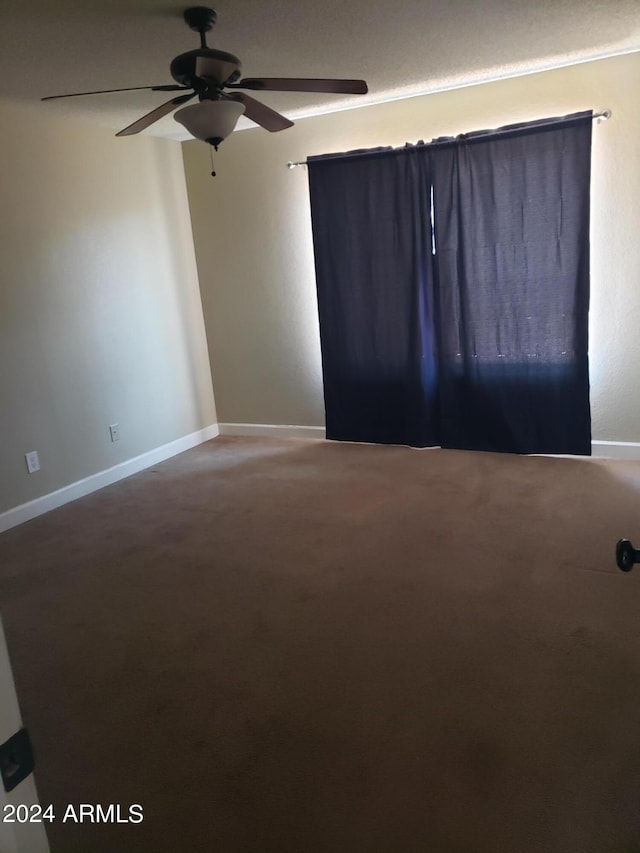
(100, 314)
(254, 250)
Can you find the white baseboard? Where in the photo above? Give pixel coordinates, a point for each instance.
(615, 449)
(273, 430)
(27, 511)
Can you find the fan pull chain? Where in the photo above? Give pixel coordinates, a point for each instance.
(213, 174)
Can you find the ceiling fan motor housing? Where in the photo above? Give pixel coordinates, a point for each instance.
(222, 68)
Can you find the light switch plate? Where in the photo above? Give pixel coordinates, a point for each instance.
(33, 462)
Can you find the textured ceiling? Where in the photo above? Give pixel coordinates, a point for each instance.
(401, 48)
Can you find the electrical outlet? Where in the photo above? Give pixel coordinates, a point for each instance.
(114, 432)
(33, 462)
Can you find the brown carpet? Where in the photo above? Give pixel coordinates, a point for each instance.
(309, 647)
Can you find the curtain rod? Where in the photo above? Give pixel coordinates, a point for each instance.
(605, 115)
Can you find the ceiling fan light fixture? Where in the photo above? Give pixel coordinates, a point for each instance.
(211, 121)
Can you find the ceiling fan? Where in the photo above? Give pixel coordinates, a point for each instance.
(207, 73)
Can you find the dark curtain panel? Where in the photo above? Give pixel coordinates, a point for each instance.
(512, 248)
(372, 242)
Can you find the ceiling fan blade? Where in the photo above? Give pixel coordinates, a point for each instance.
(154, 115)
(261, 113)
(169, 88)
(302, 84)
